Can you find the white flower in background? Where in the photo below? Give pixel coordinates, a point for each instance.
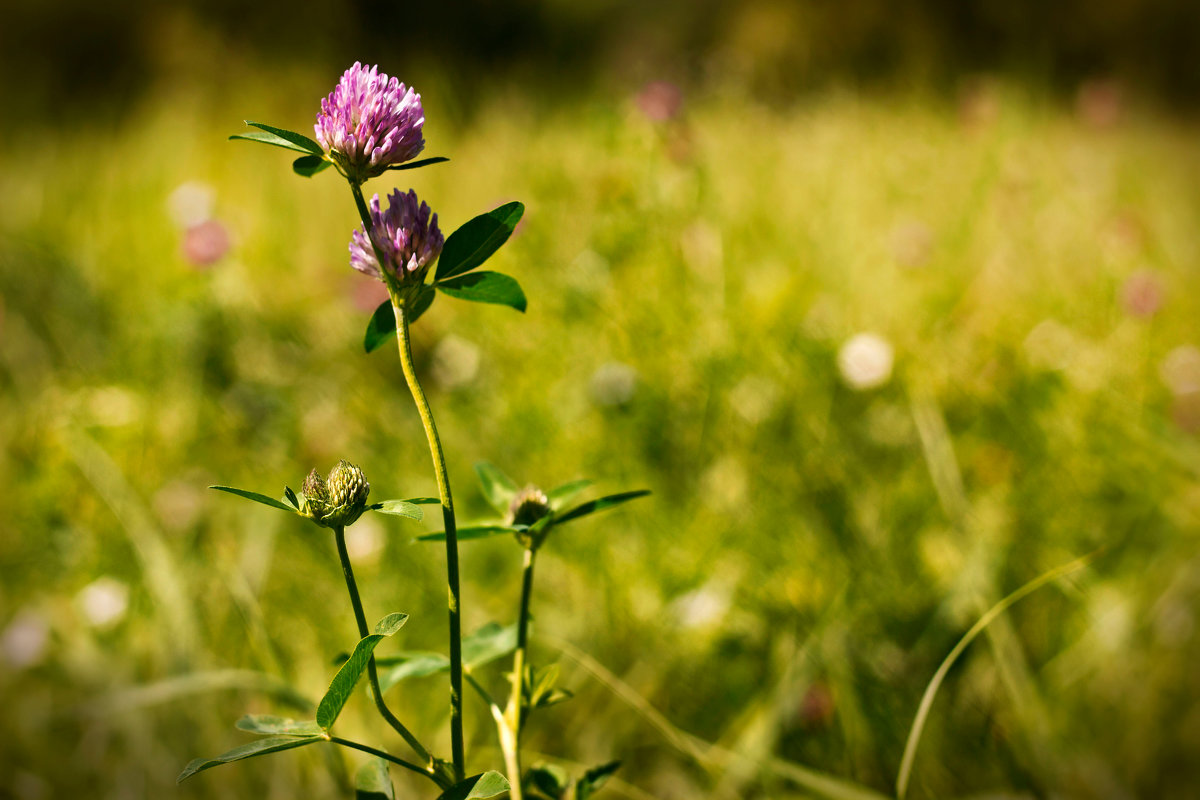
(191, 203)
(865, 361)
(1180, 370)
(23, 643)
(114, 406)
(455, 362)
(704, 607)
(613, 384)
(364, 542)
(103, 602)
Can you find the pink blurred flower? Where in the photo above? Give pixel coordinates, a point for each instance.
(367, 295)
(205, 243)
(1185, 412)
(817, 707)
(1100, 103)
(1142, 294)
(978, 103)
(660, 101)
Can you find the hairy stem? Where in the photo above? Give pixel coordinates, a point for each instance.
(339, 535)
(443, 482)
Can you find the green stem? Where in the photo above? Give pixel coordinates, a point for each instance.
(509, 726)
(513, 712)
(339, 535)
(386, 757)
(508, 739)
(443, 482)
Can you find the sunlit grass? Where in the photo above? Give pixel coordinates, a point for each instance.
(811, 552)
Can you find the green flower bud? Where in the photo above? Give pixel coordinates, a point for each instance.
(314, 497)
(348, 490)
(337, 501)
(527, 507)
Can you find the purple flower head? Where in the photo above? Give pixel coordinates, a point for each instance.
(370, 122)
(407, 234)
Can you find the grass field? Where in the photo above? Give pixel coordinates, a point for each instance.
(811, 551)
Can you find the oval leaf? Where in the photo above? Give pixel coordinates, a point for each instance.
(473, 532)
(477, 787)
(600, 504)
(268, 725)
(256, 497)
(424, 162)
(381, 327)
(548, 779)
(474, 242)
(418, 665)
(489, 643)
(486, 287)
(291, 137)
(269, 138)
(421, 304)
(307, 166)
(372, 782)
(401, 508)
(498, 488)
(593, 779)
(344, 681)
(272, 744)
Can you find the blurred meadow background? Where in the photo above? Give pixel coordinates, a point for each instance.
(893, 312)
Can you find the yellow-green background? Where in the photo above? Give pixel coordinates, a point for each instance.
(810, 553)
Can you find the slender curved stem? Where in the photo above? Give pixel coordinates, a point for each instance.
(339, 535)
(386, 757)
(513, 712)
(510, 726)
(443, 482)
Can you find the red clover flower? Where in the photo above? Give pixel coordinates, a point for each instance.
(370, 122)
(407, 234)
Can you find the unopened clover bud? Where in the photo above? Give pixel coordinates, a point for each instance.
(528, 506)
(348, 490)
(314, 497)
(336, 501)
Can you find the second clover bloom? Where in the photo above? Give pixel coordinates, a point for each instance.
(370, 122)
(407, 235)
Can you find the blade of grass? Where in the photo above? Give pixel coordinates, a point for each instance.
(918, 726)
